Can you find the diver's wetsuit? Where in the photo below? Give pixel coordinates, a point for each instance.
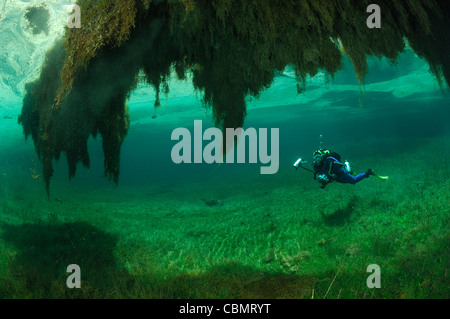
(336, 173)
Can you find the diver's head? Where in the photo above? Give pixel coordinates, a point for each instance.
(320, 155)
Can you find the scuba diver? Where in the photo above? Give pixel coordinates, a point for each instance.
(327, 168)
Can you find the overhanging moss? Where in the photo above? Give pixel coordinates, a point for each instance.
(232, 48)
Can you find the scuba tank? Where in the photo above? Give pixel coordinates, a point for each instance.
(347, 167)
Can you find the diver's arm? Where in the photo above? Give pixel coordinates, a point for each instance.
(339, 165)
(329, 170)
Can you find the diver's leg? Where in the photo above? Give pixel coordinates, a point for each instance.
(360, 177)
(349, 179)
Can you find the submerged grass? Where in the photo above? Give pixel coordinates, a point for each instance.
(286, 238)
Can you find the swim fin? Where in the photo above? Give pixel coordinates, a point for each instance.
(385, 178)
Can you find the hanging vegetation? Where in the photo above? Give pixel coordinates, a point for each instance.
(232, 48)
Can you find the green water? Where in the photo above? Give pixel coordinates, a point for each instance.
(271, 236)
(268, 236)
